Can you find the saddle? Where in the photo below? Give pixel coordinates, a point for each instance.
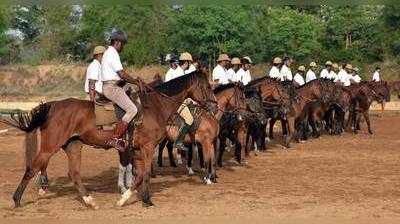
(107, 113)
(177, 120)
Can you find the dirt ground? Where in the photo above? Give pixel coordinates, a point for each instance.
(350, 177)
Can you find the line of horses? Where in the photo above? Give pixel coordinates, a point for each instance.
(235, 112)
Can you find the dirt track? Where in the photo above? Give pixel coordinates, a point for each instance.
(332, 177)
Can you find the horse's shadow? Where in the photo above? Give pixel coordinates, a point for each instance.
(106, 182)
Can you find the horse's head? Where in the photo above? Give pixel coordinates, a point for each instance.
(274, 91)
(238, 99)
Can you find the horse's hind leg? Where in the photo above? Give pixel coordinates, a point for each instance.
(189, 159)
(171, 157)
(73, 151)
(366, 116)
(39, 161)
(222, 144)
(271, 128)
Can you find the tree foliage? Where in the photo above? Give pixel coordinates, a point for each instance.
(365, 33)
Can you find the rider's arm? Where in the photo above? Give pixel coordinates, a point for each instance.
(92, 90)
(128, 78)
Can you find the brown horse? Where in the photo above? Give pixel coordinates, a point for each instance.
(318, 89)
(230, 98)
(360, 104)
(52, 125)
(395, 88)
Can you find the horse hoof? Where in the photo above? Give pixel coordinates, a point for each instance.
(207, 181)
(41, 192)
(190, 171)
(147, 204)
(124, 198)
(89, 201)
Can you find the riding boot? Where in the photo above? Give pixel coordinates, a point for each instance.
(117, 142)
(185, 128)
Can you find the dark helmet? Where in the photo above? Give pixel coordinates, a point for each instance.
(119, 35)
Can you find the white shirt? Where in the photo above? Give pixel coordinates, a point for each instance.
(310, 76)
(110, 65)
(231, 74)
(242, 76)
(356, 78)
(376, 77)
(274, 72)
(93, 72)
(324, 74)
(190, 69)
(174, 73)
(299, 79)
(286, 74)
(220, 73)
(343, 77)
(333, 75)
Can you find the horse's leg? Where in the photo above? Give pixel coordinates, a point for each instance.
(271, 128)
(289, 124)
(208, 151)
(171, 157)
(139, 168)
(200, 152)
(261, 138)
(73, 151)
(39, 161)
(189, 159)
(366, 117)
(222, 144)
(240, 153)
(145, 189)
(42, 180)
(161, 147)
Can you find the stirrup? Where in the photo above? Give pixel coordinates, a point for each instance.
(181, 146)
(118, 143)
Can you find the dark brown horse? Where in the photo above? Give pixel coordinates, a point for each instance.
(230, 98)
(395, 88)
(272, 93)
(315, 90)
(52, 125)
(360, 104)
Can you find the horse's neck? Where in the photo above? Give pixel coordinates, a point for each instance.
(167, 105)
(307, 92)
(222, 100)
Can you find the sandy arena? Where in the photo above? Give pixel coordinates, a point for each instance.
(351, 177)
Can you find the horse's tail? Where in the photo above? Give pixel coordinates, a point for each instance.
(30, 123)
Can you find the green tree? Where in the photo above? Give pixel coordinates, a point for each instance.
(288, 31)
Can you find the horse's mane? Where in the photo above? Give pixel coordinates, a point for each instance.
(261, 79)
(221, 88)
(177, 85)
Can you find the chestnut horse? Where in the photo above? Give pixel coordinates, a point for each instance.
(56, 124)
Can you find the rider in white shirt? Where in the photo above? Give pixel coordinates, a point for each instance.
(219, 74)
(276, 67)
(286, 73)
(376, 76)
(355, 77)
(325, 73)
(333, 74)
(298, 79)
(93, 82)
(243, 75)
(344, 76)
(235, 66)
(310, 73)
(175, 70)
